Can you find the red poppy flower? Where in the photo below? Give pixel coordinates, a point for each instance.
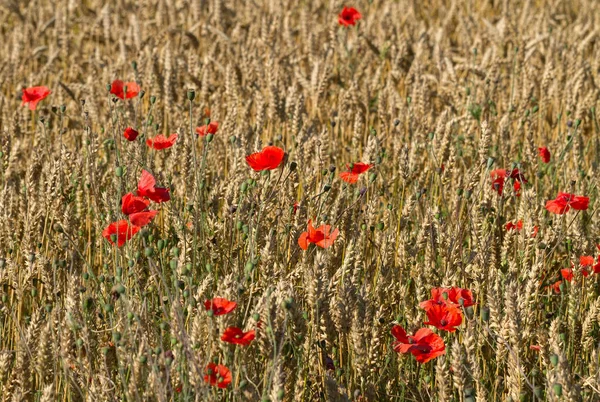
(117, 88)
(220, 306)
(453, 295)
(141, 219)
(131, 204)
(320, 236)
(535, 347)
(146, 188)
(556, 287)
(268, 159)
(354, 170)
(123, 231)
(217, 374)
(565, 201)
(535, 231)
(512, 226)
(586, 260)
(210, 129)
(444, 316)
(349, 16)
(295, 206)
(498, 177)
(567, 274)
(161, 142)
(544, 154)
(130, 134)
(237, 336)
(424, 345)
(33, 95)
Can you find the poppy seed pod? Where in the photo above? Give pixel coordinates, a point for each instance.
(293, 166)
(152, 99)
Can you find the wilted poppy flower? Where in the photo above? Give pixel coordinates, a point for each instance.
(567, 274)
(565, 201)
(544, 154)
(424, 345)
(556, 287)
(295, 207)
(130, 134)
(209, 129)
(217, 374)
(354, 170)
(117, 88)
(146, 188)
(161, 142)
(321, 236)
(444, 316)
(349, 16)
(237, 336)
(268, 159)
(141, 219)
(33, 95)
(131, 204)
(120, 231)
(220, 306)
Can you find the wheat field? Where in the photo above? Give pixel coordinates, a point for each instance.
(278, 200)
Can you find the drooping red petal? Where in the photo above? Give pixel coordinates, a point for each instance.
(141, 219)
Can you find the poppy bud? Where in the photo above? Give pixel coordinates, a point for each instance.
(380, 226)
(173, 264)
(245, 229)
(119, 171)
(108, 87)
(63, 108)
(396, 122)
(148, 251)
(408, 100)
(191, 94)
(265, 173)
(293, 166)
(108, 308)
(557, 389)
(209, 138)
(156, 126)
(141, 94)
(485, 314)
(577, 123)
(326, 188)
(372, 177)
(280, 395)
(152, 100)
(244, 187)
(249, 267)
(554, 359)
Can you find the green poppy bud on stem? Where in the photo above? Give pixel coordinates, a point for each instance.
(191, 94)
